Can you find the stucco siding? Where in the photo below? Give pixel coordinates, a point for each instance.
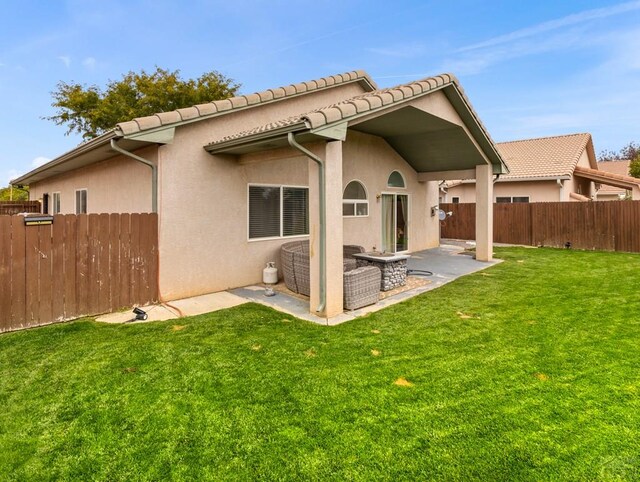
(206, 248)
(117, 185)
(538, 191)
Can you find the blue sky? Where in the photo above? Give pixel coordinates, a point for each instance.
(530, 68)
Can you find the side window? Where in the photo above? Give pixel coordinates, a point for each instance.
(81, 201)
(455, 200)
(354, 200)
(504, 199)
(56, 203)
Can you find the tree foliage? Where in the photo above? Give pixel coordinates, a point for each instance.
(91, 111)
(630, 151)
(19, 194)
(634, 167)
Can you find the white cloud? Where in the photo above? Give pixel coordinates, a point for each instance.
(89, 63)
(567, 21)
(65, 59)
(39, 161)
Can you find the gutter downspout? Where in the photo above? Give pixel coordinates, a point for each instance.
(154, 173)
(323, 214)
(561, 185)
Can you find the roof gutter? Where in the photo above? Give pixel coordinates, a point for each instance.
(146, 162)
(75, 152)
(291, 138)
(253, 139)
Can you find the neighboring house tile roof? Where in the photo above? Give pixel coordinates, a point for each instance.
(615, 167)
(598, 175)
(543, 157)
(196, 112)
(360, 105)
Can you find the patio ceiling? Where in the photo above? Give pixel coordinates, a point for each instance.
(427, 142)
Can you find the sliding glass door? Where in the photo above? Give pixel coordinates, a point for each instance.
(395, 222)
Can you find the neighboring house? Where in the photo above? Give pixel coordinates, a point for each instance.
(613, 193)
(232, 180)
(559, 168)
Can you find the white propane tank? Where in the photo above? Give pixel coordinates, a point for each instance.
(270, 274)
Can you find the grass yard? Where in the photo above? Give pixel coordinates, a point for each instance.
(527, 371)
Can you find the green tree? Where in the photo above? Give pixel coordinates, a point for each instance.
(91, 111)
(18, 194)
(630, 151)
(634, 167)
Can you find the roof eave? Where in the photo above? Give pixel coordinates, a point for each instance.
(254, 139)
(73, 153)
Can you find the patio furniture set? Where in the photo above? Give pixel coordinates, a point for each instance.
(365, 274)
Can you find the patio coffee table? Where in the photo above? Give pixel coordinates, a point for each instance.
(393, 267)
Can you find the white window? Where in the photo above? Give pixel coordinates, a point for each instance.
(455, 200)
(354, 200)
(514, 199)
(56, 203)
(81, 201)
(278, 211)
(396, 180)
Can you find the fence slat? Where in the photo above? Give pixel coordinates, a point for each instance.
(104, 268)
(125, 260)
(32, 274)
(5, 273)
(82, 267)
(57, 268)
(114, 261)
(70, 250)
(18, 273)
(45, 279)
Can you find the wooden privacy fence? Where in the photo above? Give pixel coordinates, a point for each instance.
(602, 225)
(80, 265)
(15, 207)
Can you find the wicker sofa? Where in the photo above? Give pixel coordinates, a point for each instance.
(361, 285)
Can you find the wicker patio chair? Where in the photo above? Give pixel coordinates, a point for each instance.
(361, 287)
(348, 250)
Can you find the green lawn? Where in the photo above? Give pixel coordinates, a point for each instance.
(527, 371)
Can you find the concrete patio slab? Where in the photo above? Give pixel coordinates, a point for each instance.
(446, 263)
(196, 305)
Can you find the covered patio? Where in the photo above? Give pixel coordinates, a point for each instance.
(447, 263)
(427, 127)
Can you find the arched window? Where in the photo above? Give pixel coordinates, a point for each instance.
(395, 180)
(354, 200)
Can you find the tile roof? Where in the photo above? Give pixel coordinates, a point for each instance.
(604, 176)
(543, 157)
(615, 167)
(361, 104)
(166, 119)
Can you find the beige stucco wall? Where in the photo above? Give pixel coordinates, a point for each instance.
(538, 191)
(117, 185)
(370, 160)
(203, 202)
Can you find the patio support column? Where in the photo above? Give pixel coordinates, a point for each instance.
(484, 212)
(334, 239)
